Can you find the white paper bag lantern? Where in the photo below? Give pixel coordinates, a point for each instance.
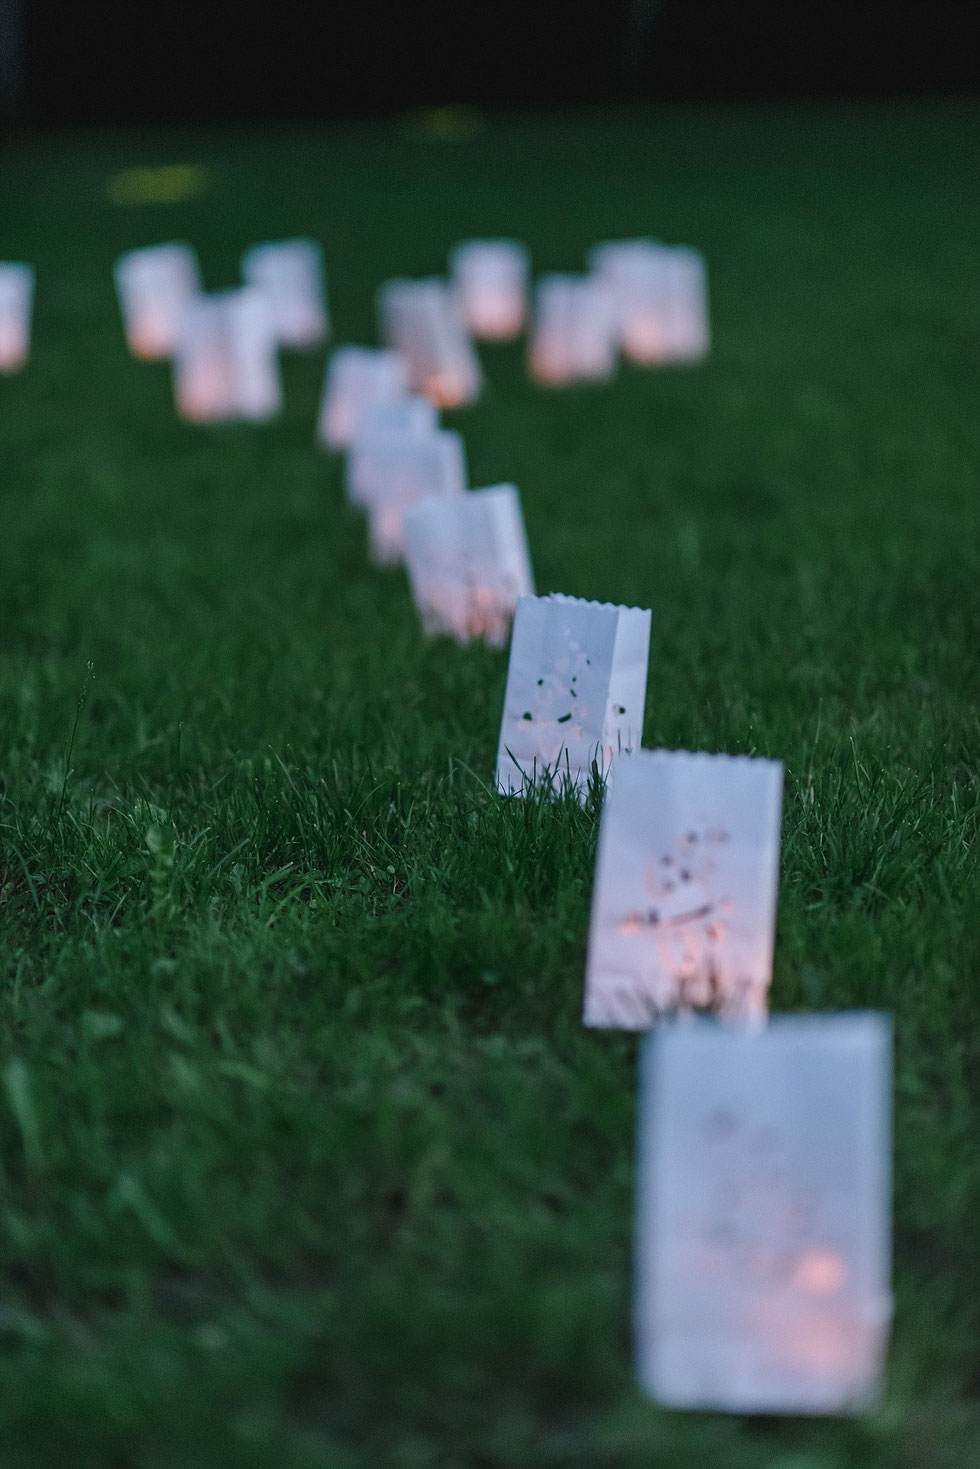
(410, 469)
(576, 687)
(660, 295)
(684, 899)
(16, 299)
(225, 365)
(421, 320)
(762, 1252)
(355, 377)
(411, 415)
(490, 280)
(291, 273)
(154, 287)
(468, 563)
(574, 331)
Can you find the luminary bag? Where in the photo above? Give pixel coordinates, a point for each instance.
(225, 364)
(636, 273)
(573, 335)
(684, 898)
(762, 1248)
(421, 320)
(255, 360)
(468, 563)
(660, 295)
(490, 281)
(576, 687)
(16, 299)
(411, 415)
(291, 274)
(355, 377)
(155, 286)
(410, 470)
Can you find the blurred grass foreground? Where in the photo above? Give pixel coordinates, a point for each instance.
(305, 1158)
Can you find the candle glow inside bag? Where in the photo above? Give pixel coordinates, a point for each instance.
(576, 688)
(225, 364)
(684, 898)
(154, 287)
(421, 320)
(468, 563)
(410, 469)
(16, 299)
(411, 415)
(490, 280)
(357, 376)
(291, 273)
(573, 335)
(762, 1251)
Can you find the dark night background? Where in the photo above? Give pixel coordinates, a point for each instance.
(132, 60)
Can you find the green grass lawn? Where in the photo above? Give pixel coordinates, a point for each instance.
(305, 1158)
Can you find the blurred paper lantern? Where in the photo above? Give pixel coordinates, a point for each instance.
(225, 364)
(16, 299)
(355, 377)
(490, 281)
(409, 468)
(154, 287)
(468, 563)
(660, 296)
(762, 1254)
(684, 899)
(576, 687)
(411, 416)
(291, 273)
(421, 320)
(573, 336)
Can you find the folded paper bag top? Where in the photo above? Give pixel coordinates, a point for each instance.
(576, 689)
(421, 320)
(468, 563)
(762, 1246)
(411, 415)
(225, 362)
(291, 273)
(16, 298)
(684, 898)
(356, 376)
(154, 286)
(410, 469)
(490, 281)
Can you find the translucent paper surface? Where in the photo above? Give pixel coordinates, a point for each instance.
(421, 320)
(154, 287)
(660, 296)
(355, 377)
(576, 687)
(16, 298)
(226, 366)
(409, 469)
(762, 1256)
(468, 563)
(684, 898)
(490, 281)
(291, 274)
(410, 416)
